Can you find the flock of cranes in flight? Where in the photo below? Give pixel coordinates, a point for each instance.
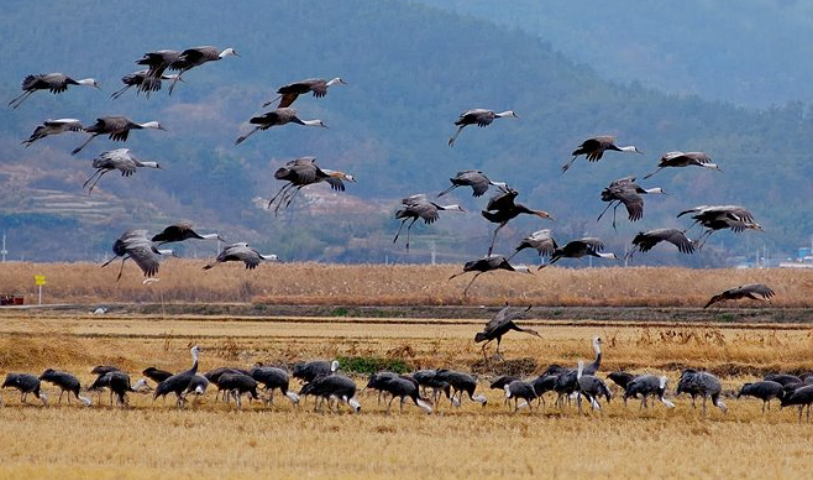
(321, 380)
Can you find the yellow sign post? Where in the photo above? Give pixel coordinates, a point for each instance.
(39, 281)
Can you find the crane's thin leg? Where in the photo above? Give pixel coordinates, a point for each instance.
(287, 199)
(121, 270)
(399, 230)
(649, 175)
(402, 405)
(175, 81)
(471, 282)
(97, 172)
(19, 100)
(290, 199)
(615, 211)
(389, 405)
(763, 406)
(272, 101)
(704, 406)
(447, 190)
(80, 147)
(243, 138)
(92, 186)
(567, 165)
(605, 211)
(408, 229)
(119, 93)
(498, 354)
(485, 355)
(456, 134)
(494, 237)
(284, 187)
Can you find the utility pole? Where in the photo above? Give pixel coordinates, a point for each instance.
(433, 252)
(4, 252)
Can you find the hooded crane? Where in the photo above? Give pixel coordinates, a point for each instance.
(480, 117)
(622, 379)
(419, 207)
(705, 385)
(546, 381)
(594, 148)
(520, 390)
(195, 57)
(588, 246)
(502, 209)
(274, 378)
(800, 397)
(287, 94)
(783, 378)
(181, 232)
(429, 379)
(646, 241)
(214, 376)
(25, 384)
(721, 217)
(54, 127)
(134, 244)
(501, 324)
(754, 291)
(460, 383)
(591, 387)
(680, 159)
(310, 371)
(277, 118)
(567, 381)
(238, 384)
(136, 79)
(378, 381)
(764, 390)
(403, 388)
(541, 240)
(120, 159)
(157, 63)
(301, 172)
(156, 375)
(66, 383)
(117, 127)
(178, 383)
(241, 252)
(100, 371)
(646, 385)
(487, 264)
(55, 83)
(119, 384)
(330, 387)
(625, 191)
(475, 179)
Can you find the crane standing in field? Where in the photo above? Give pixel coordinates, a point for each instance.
(591, 387)
(594, 148)
(480, 117)
(419, 207)
(120, 159)
(25, 384)
(66, 383)
(179, 383)
(501, 324)
(764, 390)
(54, 127)
(646, 385)
(287, 94)
(55, 83)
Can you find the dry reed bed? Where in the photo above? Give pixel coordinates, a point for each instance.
(313, 283)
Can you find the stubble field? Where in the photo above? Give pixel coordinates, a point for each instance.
(208, 440)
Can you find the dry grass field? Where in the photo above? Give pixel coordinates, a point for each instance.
(208, 440)
(313, 283)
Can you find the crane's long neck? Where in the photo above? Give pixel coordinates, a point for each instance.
(88, 82)
(335, 81)
(656, 190)
(629, 148)
(194, 368)
(153, 125)
(580, 369)
(312, 123)
(507, 113)
(150, 164)
(597, 362)
(210, 236)
(450, 207)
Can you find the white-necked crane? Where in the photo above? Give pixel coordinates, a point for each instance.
(54, 127)
(584, 247)
(645, 386)
(754, 291)
(519, 389)
(136, 79)
(419, 207)
(195, 57)
(180, 232)
(688, 159)
(241, 252)
(593, 148)
(567, 381)
(120, 159)
(591, 387)
(461, 383)
(134, 244)
(56, 83)
(25, 383)
(720, 217)
(402, 388)
(301, 172)
(116, 127)
(646, 241)
(501, 324)
(66, 383)
(488, 264)
(502, 208)
(277, 118)
(178, 383)
(475, 179)
(701, 384)
(480, 117)
(625, 191)
(287, 94)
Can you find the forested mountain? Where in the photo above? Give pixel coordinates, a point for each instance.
(411, 70)
(749, 52)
